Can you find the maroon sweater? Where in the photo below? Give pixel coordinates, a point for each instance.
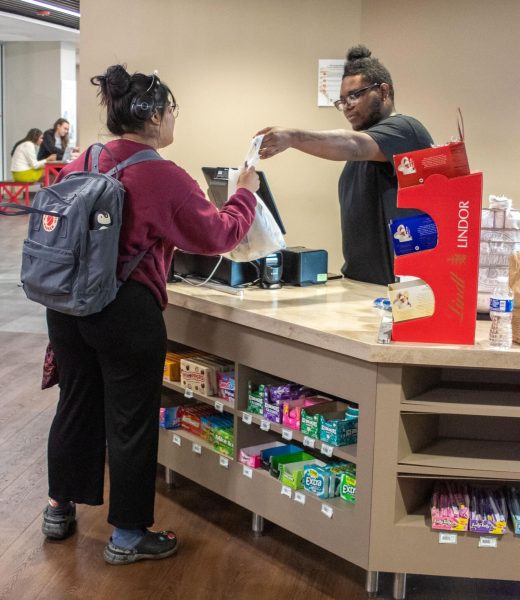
(165, 209)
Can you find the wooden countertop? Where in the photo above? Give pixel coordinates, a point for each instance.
(339, 317)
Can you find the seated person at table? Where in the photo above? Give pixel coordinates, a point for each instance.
(55, 140)
(25, 167)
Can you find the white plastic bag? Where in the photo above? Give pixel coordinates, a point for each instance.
(263, 238)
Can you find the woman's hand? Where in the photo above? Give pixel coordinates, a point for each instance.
(249, 179)
(50, 158)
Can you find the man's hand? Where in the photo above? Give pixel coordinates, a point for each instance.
(276, 140)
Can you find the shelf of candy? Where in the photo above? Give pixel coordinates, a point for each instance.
(455, 506)
(201, 376)
(302, 409)
(450, 506)
(299, 470)
(488, 512)
(200, 420)
(201, 373)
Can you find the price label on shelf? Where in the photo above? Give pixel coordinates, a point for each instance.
(188, 393)
(309, 441)
(265, 425)
(176, 439)
(447, 538)
(287, 434)
(247, 472)
(219, 406)
(247, 418)
(197, 448)
(327, 450)
(286, 491)
(486, 541)
(223, 462)
(327, 510)
(299, 497)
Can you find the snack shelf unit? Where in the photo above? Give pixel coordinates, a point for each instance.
(426, 412)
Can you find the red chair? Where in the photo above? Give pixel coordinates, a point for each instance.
(14, 191)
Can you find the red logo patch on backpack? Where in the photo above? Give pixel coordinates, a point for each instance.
(49, 222)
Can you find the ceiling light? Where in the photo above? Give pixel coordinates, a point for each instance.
(55, 8)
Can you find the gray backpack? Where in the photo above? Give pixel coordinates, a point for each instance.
(70, 255)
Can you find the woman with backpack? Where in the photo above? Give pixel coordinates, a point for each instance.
(111, 363)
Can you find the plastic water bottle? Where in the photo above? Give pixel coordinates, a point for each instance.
(384, 335)
(501, 312)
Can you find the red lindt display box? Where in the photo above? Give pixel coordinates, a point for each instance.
(412, 168)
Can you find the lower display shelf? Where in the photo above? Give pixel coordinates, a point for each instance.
(333, 524)
(464, 555)
(348, 453)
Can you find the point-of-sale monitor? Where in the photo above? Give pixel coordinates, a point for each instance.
(217, 179)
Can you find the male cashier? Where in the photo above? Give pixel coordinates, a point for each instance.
(368, 184)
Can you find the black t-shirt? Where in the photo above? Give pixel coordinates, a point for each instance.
(368, 201)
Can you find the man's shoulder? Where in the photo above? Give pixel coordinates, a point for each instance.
(398, 120)
(399, 127)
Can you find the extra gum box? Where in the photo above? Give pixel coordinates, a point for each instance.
(412, 168)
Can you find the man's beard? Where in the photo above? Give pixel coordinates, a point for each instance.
(375, 115)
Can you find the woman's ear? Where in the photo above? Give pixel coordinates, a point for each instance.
(156, 118)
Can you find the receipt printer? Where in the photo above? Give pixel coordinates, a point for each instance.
(303, 266)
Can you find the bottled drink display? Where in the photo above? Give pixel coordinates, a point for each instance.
(501, 312)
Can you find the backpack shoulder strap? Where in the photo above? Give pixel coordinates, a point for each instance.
(141, 156)
(94, 151)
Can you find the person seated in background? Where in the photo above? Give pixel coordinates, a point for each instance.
(55, 140)
(25, 167)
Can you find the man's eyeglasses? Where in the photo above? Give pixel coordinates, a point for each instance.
(352, 98)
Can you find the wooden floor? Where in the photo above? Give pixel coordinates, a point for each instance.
(219, 558)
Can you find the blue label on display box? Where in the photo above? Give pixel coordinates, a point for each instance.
(498, 305)
(413, 234)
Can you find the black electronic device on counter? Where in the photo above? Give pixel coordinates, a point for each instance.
(303, 266)
(271, 271)
(217, 180)
(228, 272)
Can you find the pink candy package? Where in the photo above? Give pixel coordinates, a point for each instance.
(292, 410)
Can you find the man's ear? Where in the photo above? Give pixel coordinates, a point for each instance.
(385, 90)
(156, 118)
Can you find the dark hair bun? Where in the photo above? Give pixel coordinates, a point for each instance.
(115, 83)
(358, 52)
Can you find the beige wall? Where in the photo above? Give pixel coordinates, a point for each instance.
(457, 53)
(236, 66)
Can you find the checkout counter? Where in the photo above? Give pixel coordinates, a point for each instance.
(426, 412)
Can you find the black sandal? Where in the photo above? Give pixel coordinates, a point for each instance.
(154, 545)
(60, 526)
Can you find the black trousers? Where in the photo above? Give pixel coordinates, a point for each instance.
(110, 368)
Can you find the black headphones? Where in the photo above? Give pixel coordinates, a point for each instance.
(144, 105)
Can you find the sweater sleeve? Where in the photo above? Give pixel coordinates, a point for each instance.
(201, 228)
(30, 156)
